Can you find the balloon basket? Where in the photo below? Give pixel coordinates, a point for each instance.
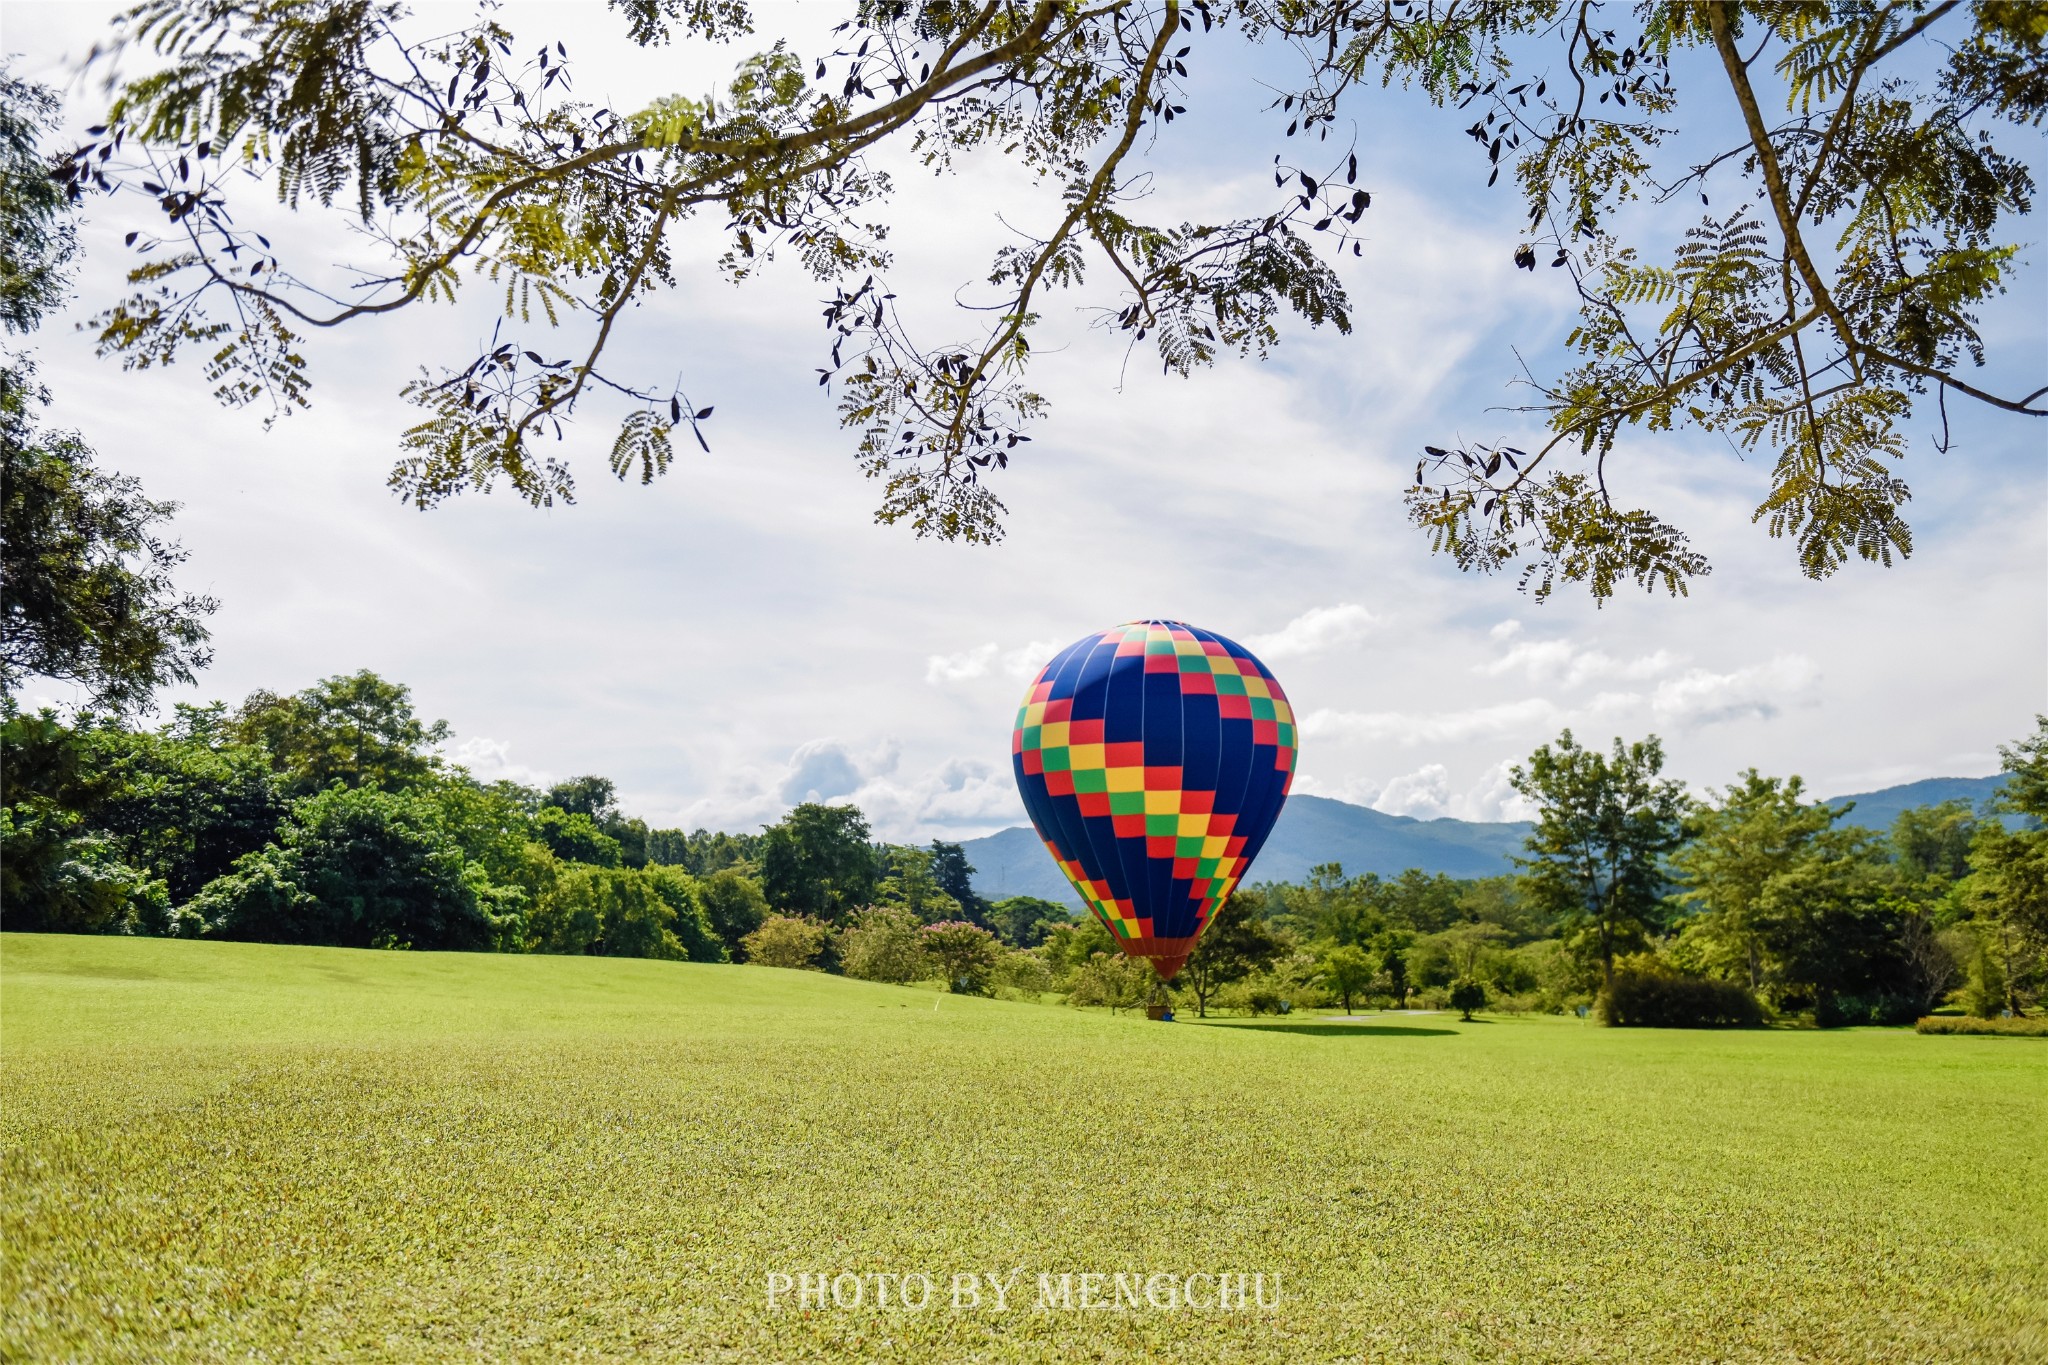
(1162, 1013)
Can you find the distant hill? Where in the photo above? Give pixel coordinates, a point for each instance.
(1877, 810)
(1316, 829)
(1311, 830)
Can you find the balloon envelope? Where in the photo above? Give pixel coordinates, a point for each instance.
(1153, 758)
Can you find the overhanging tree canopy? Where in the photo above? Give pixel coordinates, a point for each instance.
(1872, 204)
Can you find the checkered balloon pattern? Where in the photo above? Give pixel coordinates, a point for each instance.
(1153, 759)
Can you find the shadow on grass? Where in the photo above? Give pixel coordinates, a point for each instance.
(1333, 1030)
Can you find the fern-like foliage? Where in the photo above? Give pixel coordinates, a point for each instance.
(1874, 221)
(1803, 324)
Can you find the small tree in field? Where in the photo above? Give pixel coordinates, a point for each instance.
(786, 941)
(1467, 995)
(1595, 858)
(966, 952)
(1236, 943)
(1348, 970)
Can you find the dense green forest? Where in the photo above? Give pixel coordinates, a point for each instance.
(326, 817)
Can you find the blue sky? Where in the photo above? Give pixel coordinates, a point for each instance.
(740, 635)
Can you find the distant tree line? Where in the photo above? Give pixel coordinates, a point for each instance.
(1637, 901)
(326, 817)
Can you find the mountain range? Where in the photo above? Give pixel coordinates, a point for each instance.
(1317, 829)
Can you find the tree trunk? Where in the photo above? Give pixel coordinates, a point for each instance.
(2012, 994)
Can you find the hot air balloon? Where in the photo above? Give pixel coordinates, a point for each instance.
(1153, 758)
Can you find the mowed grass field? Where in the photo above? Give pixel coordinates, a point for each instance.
(239, 1152)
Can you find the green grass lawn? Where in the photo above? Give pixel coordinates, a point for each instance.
(222, 1151)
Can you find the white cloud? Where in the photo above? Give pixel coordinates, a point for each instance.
(1427, 794)
(1493, 798)
(957, 798)
(1562, 661)
(1358, 790)
(743, 805)
(1442, 727)
(490, 760)
(825, 768)
(968, 663)
(1020, 663)
(1024, 662)
(1424, 794)
(1762, 690)
(1506, 630)
(960, 798)
(1316, 631)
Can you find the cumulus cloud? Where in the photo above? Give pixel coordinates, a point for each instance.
(1359, 791)
(1699, 697)
(1424, 794)
(1562, 661)
(1506, 630)
(968, 663)
(1024, 662)
(1442, 727)
(825, 768)
(1316, 631)
(490, 760)
(981, 661)
(1428, 794)
(1493, 798)
(959, 798)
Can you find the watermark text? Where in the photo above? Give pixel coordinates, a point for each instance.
(1065, 1291)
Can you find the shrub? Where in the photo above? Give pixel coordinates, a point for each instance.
(61, 883)
(965, 952)
(1648, 1000)
(638, 920)
(1467, 995)
(623, 912)
(885, 944)
(1110, 979)
(1023, 973)
(357, 869)
(1844, 1011)
(1264, 999)
(792, 941)
(1262, 993)
(2000, 1028)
